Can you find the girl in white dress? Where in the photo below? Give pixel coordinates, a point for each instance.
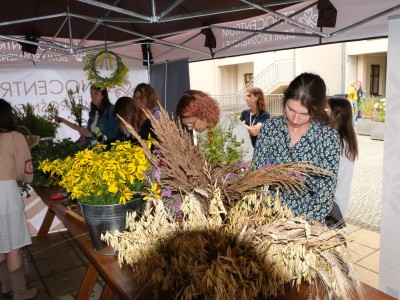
(340, 111)
(16, 165)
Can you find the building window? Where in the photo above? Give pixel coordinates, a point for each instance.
(374, 80)
(248, 78)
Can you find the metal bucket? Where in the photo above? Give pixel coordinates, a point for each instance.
(102, 218)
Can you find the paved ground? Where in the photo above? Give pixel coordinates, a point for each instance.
(366, 189)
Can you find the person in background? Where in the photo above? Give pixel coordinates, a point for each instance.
(101, 126)
(340, 111)
(360, 92)
(199, 111)
(132, 112)
(352, 96)
(304, 133)
(16, 166)
(148, 95)
(256, 114)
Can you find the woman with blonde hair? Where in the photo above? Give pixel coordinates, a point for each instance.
(256, 114)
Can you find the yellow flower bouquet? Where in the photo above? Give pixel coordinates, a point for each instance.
(101, 175)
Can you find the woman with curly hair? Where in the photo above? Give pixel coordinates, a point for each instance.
(256, 114)
(199, 111)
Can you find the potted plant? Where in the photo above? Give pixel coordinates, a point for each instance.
(42, 126)
(377, 128)
(51, 150)
(107, 182)
(364, 123)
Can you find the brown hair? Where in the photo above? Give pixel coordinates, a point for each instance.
(147, 91)
(261, 101)
(200, 105)
(105, 102)
(310, 90)
(341, 113)
(131, 111)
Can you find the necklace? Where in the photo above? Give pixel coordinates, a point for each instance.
(255, 116)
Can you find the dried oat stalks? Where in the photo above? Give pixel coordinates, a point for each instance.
(184, 168)
(234, 241)
(254, 250)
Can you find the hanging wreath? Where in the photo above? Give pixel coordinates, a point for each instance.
(107, 58)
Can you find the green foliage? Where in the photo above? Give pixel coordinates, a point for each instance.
(379, 110)
(75, 105)
(51, 150)
(117, 78)
(220, 146)
(42, 126)
(366, 108)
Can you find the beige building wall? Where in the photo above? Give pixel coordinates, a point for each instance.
(338, 64)
(326, 61)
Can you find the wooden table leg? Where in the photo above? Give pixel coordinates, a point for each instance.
(88, 283)
(107, 293)
(45, 227)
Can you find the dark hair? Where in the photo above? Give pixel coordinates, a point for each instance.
(310, 90)
(7, 121)
(342, 114)
(149, 93)
(105, 102)
(261, 103)
(200, 105)
(131, 111)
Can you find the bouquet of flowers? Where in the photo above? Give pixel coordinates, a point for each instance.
(100, 175)
(233, 240)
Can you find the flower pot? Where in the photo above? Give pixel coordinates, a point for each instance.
(377, 131)
(364, 126)
(102, 218)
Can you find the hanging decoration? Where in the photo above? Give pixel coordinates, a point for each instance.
(105, 69)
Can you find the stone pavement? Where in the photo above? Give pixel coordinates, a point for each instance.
(366, 187)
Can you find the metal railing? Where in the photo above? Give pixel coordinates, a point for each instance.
(280, 71)
(229, 103)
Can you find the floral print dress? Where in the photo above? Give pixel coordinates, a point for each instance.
(320, 145)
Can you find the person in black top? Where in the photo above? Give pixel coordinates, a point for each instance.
(256, 114)
(132, 112)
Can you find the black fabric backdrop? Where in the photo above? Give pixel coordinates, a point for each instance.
(170, 79)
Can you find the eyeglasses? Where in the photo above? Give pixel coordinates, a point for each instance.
(190, 123)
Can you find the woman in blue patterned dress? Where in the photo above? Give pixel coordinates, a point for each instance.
(304, 133)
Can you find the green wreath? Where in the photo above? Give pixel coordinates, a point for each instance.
(117, 78)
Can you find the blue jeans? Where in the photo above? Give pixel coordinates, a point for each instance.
(355, 116)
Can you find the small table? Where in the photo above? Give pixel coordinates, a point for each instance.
(120, 281)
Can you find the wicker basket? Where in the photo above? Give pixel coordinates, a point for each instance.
(31, 139)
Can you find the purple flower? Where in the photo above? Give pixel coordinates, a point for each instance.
(157, 175)
(166, 193)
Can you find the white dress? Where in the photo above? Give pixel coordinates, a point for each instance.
(16, 165)
(345, 176)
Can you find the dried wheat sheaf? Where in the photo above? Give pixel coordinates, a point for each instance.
(235, 240)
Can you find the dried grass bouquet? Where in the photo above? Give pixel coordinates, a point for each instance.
(233, 240)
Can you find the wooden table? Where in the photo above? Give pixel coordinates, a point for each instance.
(120, 281)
